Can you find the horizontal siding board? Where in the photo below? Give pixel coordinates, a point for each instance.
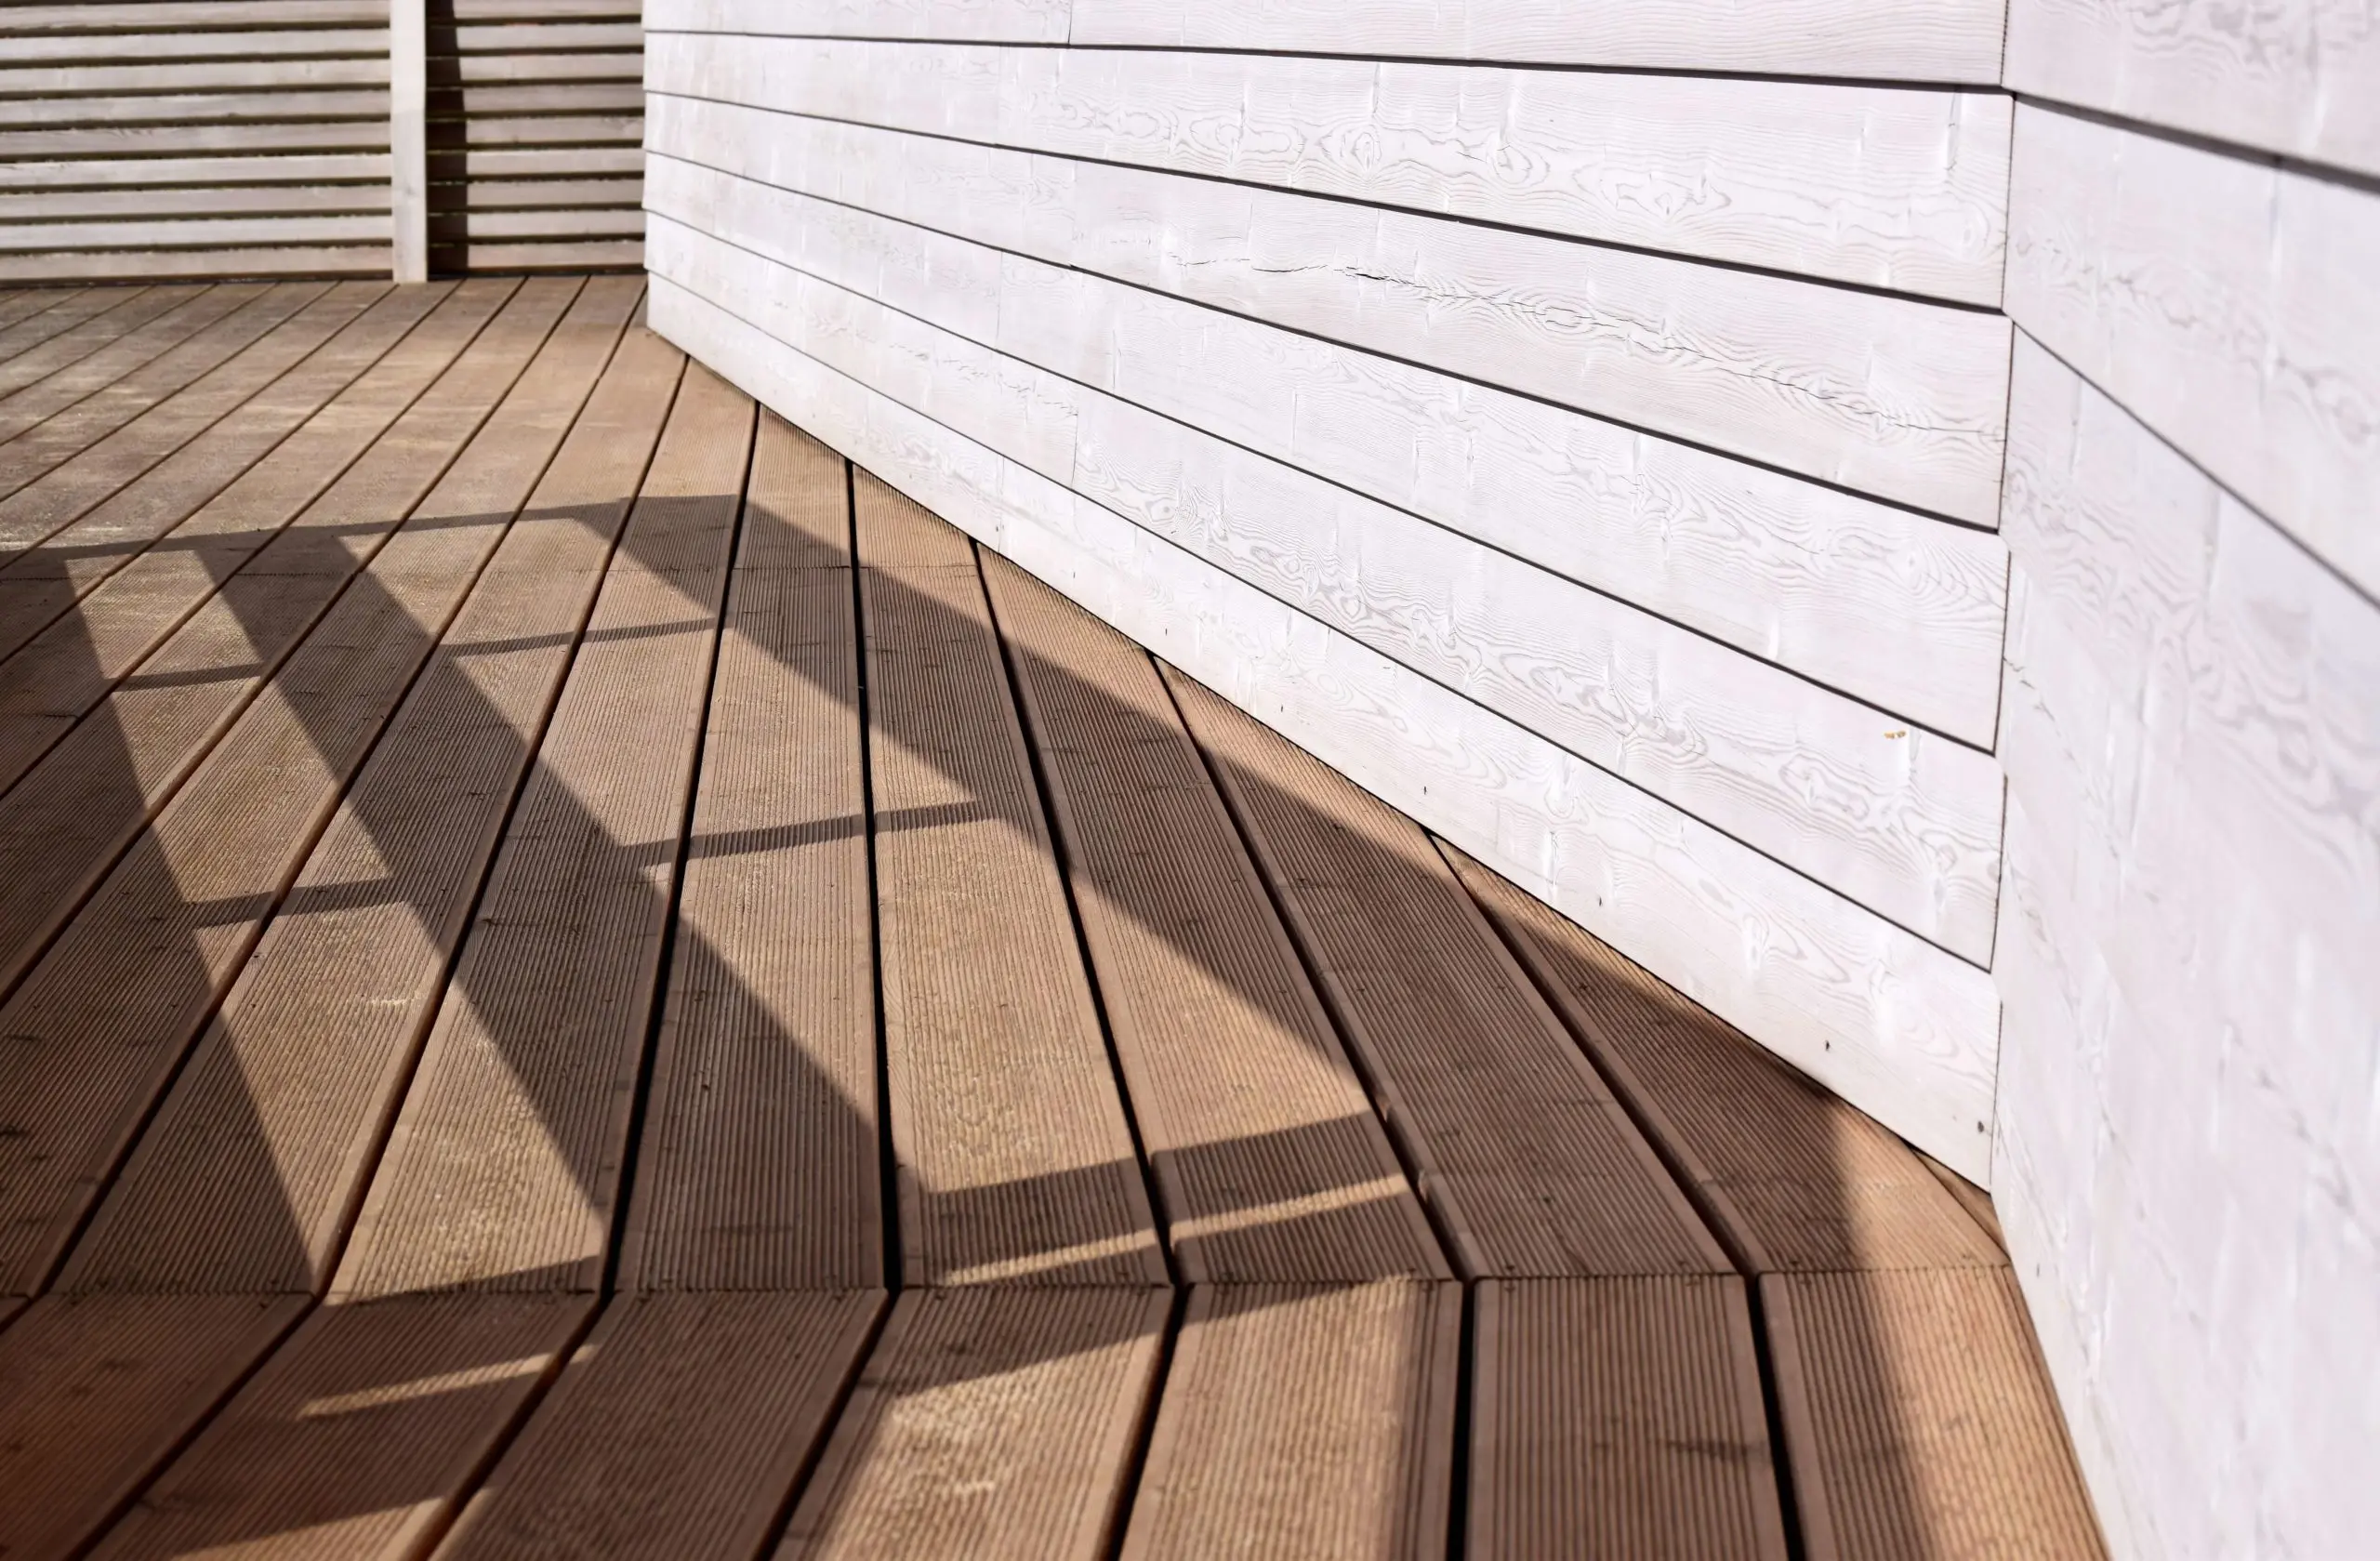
(126, 265)
(98, 173)
(1908, 826)
(190, 15)
(1902, 610)
(248, 200)
(2301, 80)
(180, 140)
(1015, 21)
(1894, 188)
(2228, 303)
(208, 233)
(294, 44)
(268, 75)
(1893, 397)
(1897, 1025)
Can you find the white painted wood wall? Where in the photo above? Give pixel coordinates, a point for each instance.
(1618, 469)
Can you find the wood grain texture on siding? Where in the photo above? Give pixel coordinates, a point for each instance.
(1898, 1026)
(1888, 396)
(2192, 897)
(2228, 303)
(1952, 40)
(2301, 77)
(1026, 21)
(1904, 823)
(1895, 608)
(1894, 188)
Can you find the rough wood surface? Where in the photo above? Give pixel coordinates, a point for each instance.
(1892, 189)
(108, 1014)
(1269, 1164)
(1893, 397)
(247, 1177)
(1013, 1153)
(1895, 1025)
(991, 1422)
(362, 1434)
(677, 1430)
(96, 1392)
(1304, 1420)
(503, 1169)
(68, 668)
(760, 1166)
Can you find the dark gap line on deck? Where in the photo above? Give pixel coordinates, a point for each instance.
(888, 1162)
(639, 1099)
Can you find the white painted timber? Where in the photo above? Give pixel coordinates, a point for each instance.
(2188, 1164)
(1893, 397)
(1023, 22)
(408, 140)
(2300, 77)
(1895, 608)
(1895, 1025)
(1944, 40)
(1893, 189)
(1905, 822)
(2230, 304)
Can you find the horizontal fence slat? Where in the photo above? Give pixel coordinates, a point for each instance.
(598, 254)
(196, 233)
(186, 14)
(297, 43)
(133, 265)
(248, 200)
(515, 194)
(198, 110)
(170, 140)
(562, 97)
(259, 75)
(594, 35)
(455, 163)
(513, 67)
(359, 167)
(560, 223)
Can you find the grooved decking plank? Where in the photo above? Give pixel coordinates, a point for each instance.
(245, 1179)
(96, 1392)
(69, 668)
(675, 1433)
(47, 580)
(990, 1421)
(64, 821)
(1533, 1166)
(361, 1434)
(1269, 1163)
(1919, 1421)
(1619, 1417)
(19, 303)
(1012, 1150)
(760, 1166)
(57, 415)
(1793, 1178)
(29, 330)
(123, 432)
(104, 1018)
(1304, 1420)
(504, 1167)
(76, 334)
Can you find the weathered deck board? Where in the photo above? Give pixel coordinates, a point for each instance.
(96, 1392)
(1585, 1442)
(362, 1432)
(248, 1175)
(992, 1422)
(1304, 1420)
(66, 819)
(48, 580)
(58, 415)
(70, 666)
(26, 302)
(75, 330)
(503, 1170)
(1268, 1161)
(125, 431)
(105, 1017)
(1012, 1151)
(1530, 1163)
(1906, 1369)
(677, 1432)
(760, 1168)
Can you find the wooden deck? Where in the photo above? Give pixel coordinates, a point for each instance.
(580, 978)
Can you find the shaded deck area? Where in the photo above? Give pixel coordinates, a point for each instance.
(578, 978)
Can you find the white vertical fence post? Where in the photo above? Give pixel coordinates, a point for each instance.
(409, 140)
